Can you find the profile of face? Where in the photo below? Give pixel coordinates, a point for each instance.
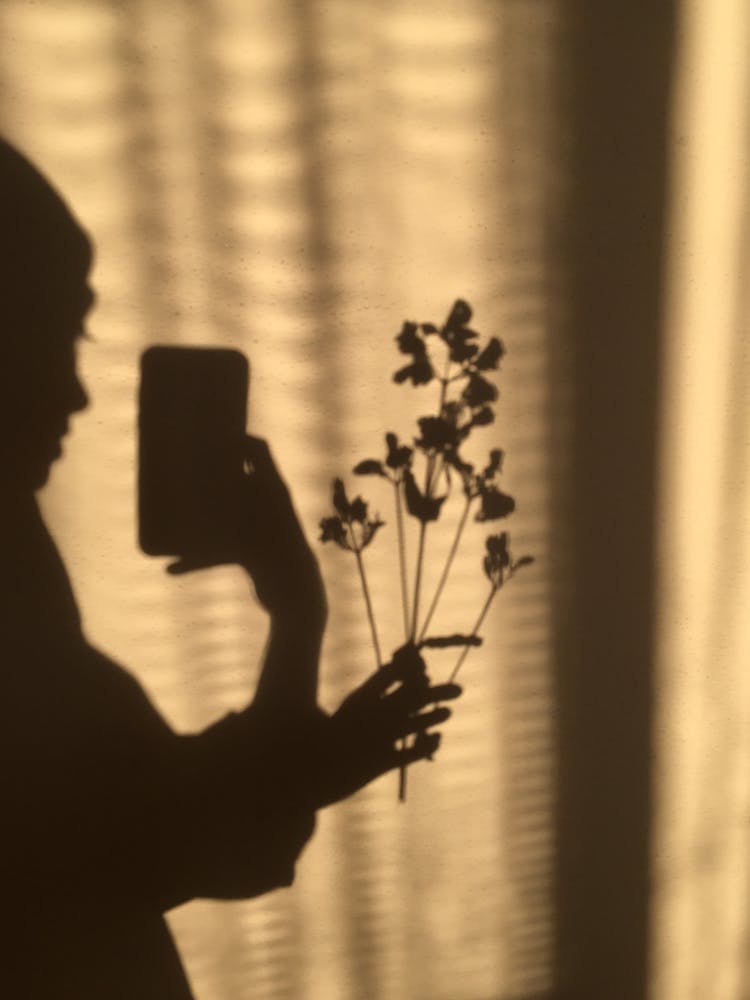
(45, 259)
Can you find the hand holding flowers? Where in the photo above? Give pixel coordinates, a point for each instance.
(422, 475)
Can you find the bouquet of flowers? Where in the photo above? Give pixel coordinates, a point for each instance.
(425, 472)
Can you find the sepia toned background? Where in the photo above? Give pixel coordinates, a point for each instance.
(295, 178)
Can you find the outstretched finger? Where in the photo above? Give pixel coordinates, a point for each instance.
(188, 565)
(410, 698)
(442, 692)
(421, 723)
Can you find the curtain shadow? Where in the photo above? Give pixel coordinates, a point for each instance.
(737, 491)
(526, 151)
(615, 82)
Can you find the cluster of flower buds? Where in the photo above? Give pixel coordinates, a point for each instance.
(499, 565)
(351, 527)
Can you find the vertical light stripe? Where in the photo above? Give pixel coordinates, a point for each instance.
(702, 848)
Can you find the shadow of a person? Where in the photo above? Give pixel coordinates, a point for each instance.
(109, 817)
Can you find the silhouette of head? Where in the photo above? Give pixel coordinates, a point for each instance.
(45, 258)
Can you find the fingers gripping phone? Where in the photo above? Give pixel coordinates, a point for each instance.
(191, 435)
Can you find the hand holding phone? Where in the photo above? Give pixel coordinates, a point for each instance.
(208, 493)
(268, 541)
